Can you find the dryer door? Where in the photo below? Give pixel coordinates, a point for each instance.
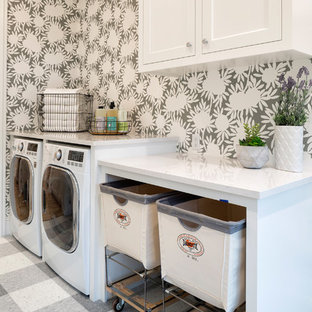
(60, 207)
(22, 177)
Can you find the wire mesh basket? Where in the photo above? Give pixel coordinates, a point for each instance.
(64, 112)
(100, 126)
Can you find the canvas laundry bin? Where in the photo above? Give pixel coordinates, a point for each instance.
(202, 245)
(129, 218)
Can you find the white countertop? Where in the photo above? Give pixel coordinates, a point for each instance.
(85, 138)
(219, 174)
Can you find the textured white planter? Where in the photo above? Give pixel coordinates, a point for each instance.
(252, 157)
(288, 149)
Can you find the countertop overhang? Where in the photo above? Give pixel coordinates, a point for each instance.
(214, 173)
(85, 138)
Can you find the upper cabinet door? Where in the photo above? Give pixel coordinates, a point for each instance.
(168, 29)
(230, 24)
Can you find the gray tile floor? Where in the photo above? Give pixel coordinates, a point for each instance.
(27, 284)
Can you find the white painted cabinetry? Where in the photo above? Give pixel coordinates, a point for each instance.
(169, 29)
(240, 23)
(180, 36)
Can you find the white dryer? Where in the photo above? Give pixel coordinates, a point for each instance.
(25, 184)
(66, 212)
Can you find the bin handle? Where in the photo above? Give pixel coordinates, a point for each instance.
(190, 224)
(121, 201)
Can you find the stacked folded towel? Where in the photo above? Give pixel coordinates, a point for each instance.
(62, 117)
(64, 110)
(64, 125)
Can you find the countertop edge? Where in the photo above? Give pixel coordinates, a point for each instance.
(258, 195)
(174, 178)
(98, 143)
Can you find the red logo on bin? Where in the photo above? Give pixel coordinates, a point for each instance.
(190, 245)
(122, 217)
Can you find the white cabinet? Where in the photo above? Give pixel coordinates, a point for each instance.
(240, 23)
(168, 29)
(179, 36)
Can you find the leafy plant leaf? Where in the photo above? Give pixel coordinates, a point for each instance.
(252, 136)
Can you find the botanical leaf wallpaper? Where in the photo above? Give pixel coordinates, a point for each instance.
(94, 43)
(213, 104)
(42, 45)
(42, 52)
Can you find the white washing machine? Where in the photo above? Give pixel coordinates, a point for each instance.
(25, 184)
(66, 212)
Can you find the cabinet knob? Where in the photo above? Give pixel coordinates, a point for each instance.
(188, 45)
(204, 41)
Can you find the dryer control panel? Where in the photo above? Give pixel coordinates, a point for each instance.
(32, 149)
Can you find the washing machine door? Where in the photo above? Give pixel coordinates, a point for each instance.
(60, 207)
(22, 179)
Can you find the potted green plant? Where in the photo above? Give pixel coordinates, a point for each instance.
(289, 119)
(252, 152)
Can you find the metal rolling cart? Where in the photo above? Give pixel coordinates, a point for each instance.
(167, 296)
(186, 229)
(199, 237)
(127, 290)
(194, 305)
(129, 216)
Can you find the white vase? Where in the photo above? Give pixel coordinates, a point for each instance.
(252, 157)
(288, 149)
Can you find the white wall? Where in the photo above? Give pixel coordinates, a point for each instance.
(3, 10)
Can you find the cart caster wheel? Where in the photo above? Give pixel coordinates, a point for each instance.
(118, 305)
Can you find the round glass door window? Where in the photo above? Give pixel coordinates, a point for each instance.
(22, 189)
(60, 207)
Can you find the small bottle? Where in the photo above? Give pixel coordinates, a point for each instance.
(122, 121)
(195, 148)
(111, 118)
(100, 119)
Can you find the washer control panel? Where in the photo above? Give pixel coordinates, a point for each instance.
(72, 157)
(75, 158)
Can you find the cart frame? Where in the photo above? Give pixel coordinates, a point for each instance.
(175, 292)
(121, 288)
